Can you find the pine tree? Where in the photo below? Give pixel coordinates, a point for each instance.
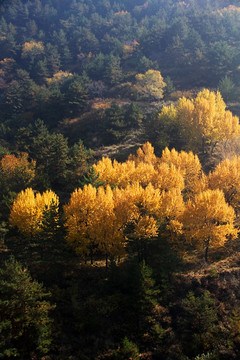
(25, 326)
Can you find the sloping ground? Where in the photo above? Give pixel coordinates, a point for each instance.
(121, 151)
(207, 290)
(221, 279)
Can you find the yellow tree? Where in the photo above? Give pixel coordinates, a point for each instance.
(79, 216)
(17, 171)
(28, 210)
(122, 174)
(92, 224)
(190, 168)
(138, 168)
(143, 209)
(226, 177)
(106, 171)
(204, 120)
(149, 85)
(208, 221)
(137, 208)
(145, 155)
(108, 228)
(32, 49)
(167, 176)
(143, 168)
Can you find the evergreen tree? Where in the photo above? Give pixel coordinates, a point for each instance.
(114, 123)
(227, 88)
(133, 116)
(76, 97)
(113, 72)
(25, 326)
(199, 324)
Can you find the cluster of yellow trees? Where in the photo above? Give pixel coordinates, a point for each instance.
(204, 120)
(138, 197)
(28, 210)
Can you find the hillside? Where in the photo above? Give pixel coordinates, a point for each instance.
(119, 179)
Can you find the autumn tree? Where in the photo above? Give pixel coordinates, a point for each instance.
(28, 209)
(208, 221)
(91, 222)
(103, 219)
(149, 85)
(226, 177)
(137, 208)
(144, 154)
(32, 49)
(122, 174)
(142, 168)
(18, 171)
(204, 120)
(190, 168)
(143, 209)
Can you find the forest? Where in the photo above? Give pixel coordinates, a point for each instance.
(119, 174)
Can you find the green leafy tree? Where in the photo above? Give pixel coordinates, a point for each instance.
(169, 86)
(221, 57)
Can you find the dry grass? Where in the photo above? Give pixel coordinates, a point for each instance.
(221, 260)
(121, 151)
(102, 104)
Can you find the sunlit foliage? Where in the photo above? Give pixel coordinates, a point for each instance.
(204, 120)
(30, 48)
(18, 169)
(226, 177)
(149, 85)
(208, 221)
(28, 209)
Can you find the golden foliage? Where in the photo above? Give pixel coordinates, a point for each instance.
(91, 222)
(190, 168)
(18, 169)
(149, 85)
(28, 209)
(121, 13)
(144, 155)
(60, 76)
(226, 177)
(104, 219)
(204, 120)
(208, 220)
(147, 192)
(32, 47)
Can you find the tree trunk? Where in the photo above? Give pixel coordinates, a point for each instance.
(106, 260)
(91, 255)
(206, 251)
